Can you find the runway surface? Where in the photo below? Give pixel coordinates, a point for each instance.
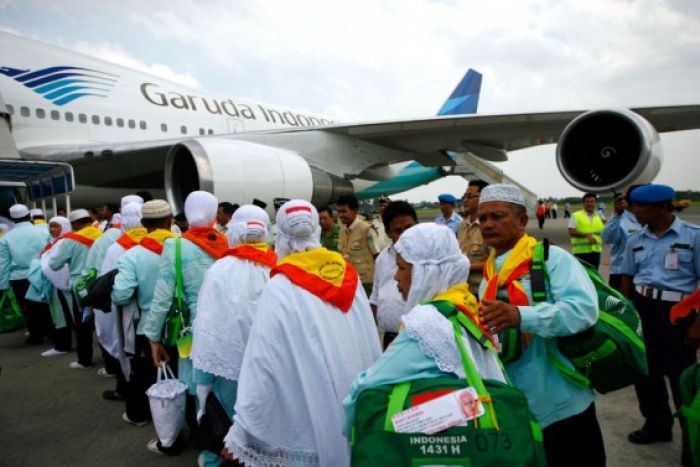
(53, 415)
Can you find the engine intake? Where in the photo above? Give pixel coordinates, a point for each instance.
(607, 150)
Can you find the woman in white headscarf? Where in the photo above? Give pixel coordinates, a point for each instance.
(313, 332)
(431, 268)
(228, 303)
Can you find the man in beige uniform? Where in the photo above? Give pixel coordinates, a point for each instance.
(469, 236)
(358, 240)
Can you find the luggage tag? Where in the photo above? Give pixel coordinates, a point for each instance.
(671, 261)
(436, 415)
(184, 343)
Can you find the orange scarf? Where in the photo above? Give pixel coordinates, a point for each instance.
(323, 273)
(261, 255)
(213, 242)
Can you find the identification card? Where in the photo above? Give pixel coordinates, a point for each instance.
(671, 260)
(439, 414)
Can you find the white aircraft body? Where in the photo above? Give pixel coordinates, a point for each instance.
(122, 130)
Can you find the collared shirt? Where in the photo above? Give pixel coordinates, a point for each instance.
(472, 244)
(591, 216)
(383, 240)
(650, 259)
(17, 250)
(385, 291)
(453, 222)
(330, 241)
(616, 232)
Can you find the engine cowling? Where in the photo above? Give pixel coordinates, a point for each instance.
(239, 171)
(608, 150)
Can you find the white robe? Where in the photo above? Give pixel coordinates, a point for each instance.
(61, 278)
(301, 358)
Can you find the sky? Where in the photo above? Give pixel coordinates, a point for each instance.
(400, 59)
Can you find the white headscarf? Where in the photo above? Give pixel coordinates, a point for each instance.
(63, 222)
(131, 216)
(131, 199)
(438, 262)
(249, 224)
(200, 209)
(116, 219)
(297, 228)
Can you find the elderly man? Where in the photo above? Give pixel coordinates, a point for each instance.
(358, 240)
(312, 334)
(469, 235)
(566, 411)
(448, 215)
(584, 229)
(661, 267)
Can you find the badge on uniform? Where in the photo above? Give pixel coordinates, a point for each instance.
(671, 260)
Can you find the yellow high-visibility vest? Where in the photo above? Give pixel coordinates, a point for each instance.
(586, 225)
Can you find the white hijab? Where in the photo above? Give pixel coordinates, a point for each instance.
(297, 228)
(200, 209)
(130, 199)
(130, 216)
(249, 224)
(59, 278)
(64, 223)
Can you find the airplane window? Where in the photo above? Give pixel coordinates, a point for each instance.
(132, 124)
(108, 121)
(142, 125)
(69, 116)
(55, 115)
(40, 113)
(120, 122)
(96, 119)
(210, 132)
(24, 111)
(10, 109)
(82, 118)
(183, 129)
(163, 127)
(201, 131)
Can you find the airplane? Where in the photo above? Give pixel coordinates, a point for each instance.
(121, 130)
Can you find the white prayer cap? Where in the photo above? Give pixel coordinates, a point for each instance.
(78, 214)
(155, 209)
(438, 262)
(131, 199)
(502, 192)
(249, 224)
(131, 216)
(200, 209)
(63, 222)
(36, 212)
(18, 211)
(297, 227)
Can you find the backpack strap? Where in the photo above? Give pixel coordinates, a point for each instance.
(538, 271)
(397, 399)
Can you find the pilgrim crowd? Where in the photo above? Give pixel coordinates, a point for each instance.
(286, 323)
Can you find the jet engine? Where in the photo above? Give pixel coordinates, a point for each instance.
(607, 150)
(239, 171)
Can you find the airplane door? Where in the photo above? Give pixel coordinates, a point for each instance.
(235, 125)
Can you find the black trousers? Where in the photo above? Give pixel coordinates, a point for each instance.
(62, 337)
(143, 375)
(36, 315)
(591, 258)
(540, 222)
(83, 331)
(667, 355)
(575, 440)
(615, 281)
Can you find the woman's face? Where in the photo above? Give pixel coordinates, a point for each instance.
(403, 276)
(55, 229)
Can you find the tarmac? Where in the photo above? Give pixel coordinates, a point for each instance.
(53, 415)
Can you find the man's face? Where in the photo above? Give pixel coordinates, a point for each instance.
(647, 213)
(500, 226)
(471, 200)
(106, 213)
(325, 220)
(403, 276)
(589, 204)
(55, 229)
(397, 226)
(447, 209)
(346, 214)
(221, 217)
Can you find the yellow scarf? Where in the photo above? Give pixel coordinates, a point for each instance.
(516, 265)
(459, 296)
(161, 235)
(136, 234)
(89, 232)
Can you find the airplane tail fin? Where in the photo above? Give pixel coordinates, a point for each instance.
(465, 97)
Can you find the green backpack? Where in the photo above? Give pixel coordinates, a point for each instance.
(690, 415)
(176, 329)
(84, 284)
(506, 434)
(11, 317)
(608, 356)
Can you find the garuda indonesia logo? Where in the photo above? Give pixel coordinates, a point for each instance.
(64, 84)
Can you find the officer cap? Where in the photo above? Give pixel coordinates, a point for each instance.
(652, 194)
(447, 198)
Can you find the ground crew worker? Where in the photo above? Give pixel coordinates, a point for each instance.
(661, 267)
(358, 240)
(469, 235)
(448, 215)
(621, 225)
(330, 230)
(585, 227)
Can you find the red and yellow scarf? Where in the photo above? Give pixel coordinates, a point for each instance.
(465, 302)
(131, 238)
(154, 240)
(85, 236)
(213, 242)
(322, 272)
(260, 253)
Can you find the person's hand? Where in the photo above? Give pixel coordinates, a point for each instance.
(228, 457)
(591, 239)
(620, 206)
(496, 316)
(159, 354)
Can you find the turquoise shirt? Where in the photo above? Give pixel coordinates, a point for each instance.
(645, 257)
(99, 249)
(616, 232)
(74, 255)
(572, 307)
(18, 248)
(138, 274)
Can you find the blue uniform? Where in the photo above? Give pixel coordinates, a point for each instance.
(453, 222)
(616, 232)
(17, 250)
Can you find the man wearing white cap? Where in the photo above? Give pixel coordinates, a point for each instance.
(73, 251)
(17, 249)
(565, 410)
(38, 217)
(312, 333)
(136, 281)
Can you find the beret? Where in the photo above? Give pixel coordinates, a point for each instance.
(447, 198)
(651, 194)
